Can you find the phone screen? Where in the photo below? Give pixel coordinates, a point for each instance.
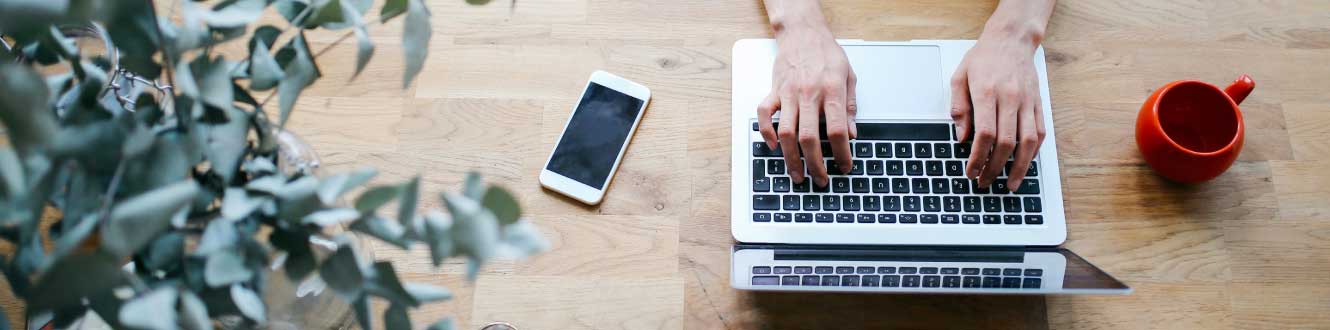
(595, 135)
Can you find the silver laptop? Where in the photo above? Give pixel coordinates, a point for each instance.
(905, 219)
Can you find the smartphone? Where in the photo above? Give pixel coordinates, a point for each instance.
(594, 140)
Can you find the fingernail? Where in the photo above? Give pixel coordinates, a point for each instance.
(958, 132)
(820, 181)
(846, 169)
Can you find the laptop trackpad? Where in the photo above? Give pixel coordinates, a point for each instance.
(899, 81)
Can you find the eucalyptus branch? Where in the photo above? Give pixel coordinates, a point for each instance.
(169, 68)
(104, 211)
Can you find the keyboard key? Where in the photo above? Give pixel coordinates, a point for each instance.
(845, 217)
(933, 168)
(824, 217)
(881, 185)
(831, 280)
(891, 281)
(803, 217)
(762, 185)
(760, 150)
(891, 203)
(761, 270)
(849, 280)
(863, 150)
(992, 271)
(932, 281)
(1000, 186)
(928, 218)
(1011, 204)
(812, 203)
(1034, 219)
(840, 184)
(822, 270)
(781, 217)
(992, 282)
(766, 280)
(955, 168)
(941, 186)
(886, 270)
(871, 281)
(951, 219)
(776, 166)
(759, 169)
(914, 168)
(1028, 187)
(932, 204)
(908, 218)
(895, 167)
(844, 270)
(782, 270)
(766, 203)
(780, 184)
(865, 218)
(970, 219)
(971, 203)
(962, 150)
(928, 270)
(1034, 272)
(910, 281)
(803, 270)
(886, 218)
(875, 167)
(960, 186)
(789, 280)
(803, 186)
(903, 151)
(1031, 283)
(811, 280)
(872, 203)
(970, 271)
(992, 204)
(761, 217)
(951, 204)
(970, 282)
(1011, 272)
(911, 203)
(1011, 282)
(1033, 204)
(882, 149)
(857, 167)
(850, 203)
(863, 270)
(923, 150)
(826, 149)
(992, 219)
(942, 150)
(790, 202)
(974, 185)
(900, 185)
(831, 203)
(859, 185)
(1034, 169)
(919, 185)
(1011, 219)
(817, 189)
(951, 281)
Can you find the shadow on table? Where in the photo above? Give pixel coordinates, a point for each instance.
(897, 311)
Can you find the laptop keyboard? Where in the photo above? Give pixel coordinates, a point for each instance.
(904, 173)
(898, 277)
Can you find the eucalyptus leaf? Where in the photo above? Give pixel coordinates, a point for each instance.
(444, 324)
(137, 220)
(331, 217)
(145, 312)
(301, 188)
(225, 268)
(299, 73)
(11, 174)
(384, 283)
(235, 14)
(396, 318)
(364, 50)
(502, 204)
(426, 293)
(291, 9)
(342, 272)
(214, 81)
(227, 142)
(220, 235)
(361, 307)
(24, 91)
(332, 187)
(392, 8)
(371, 200)
(326, 12)
(473, 188)
(164, 253)
(193, 312)
(383, 229)
(521, 239)
(237, 203)
(415, 39)
(406, 205)
(264, 73)
(271, 184)
(249, 303)
(71, 238)
(475, 231)
(74, 277)
(438, 236)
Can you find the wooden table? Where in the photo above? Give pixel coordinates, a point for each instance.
(1248, 250)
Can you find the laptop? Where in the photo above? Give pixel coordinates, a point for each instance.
(905, 219)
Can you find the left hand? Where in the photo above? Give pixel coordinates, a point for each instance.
(996, 102)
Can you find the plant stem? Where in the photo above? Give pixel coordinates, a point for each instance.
(104, 212)
(325, 49)
(166, 53)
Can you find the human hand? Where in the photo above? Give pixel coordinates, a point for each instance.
(996, 100)
(811, 80)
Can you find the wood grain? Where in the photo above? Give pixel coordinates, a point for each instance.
(1246, 251)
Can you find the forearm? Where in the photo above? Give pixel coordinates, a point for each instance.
(794, 19)
(1023, 21)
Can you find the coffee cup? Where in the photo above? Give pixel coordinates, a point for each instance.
(1191, 131)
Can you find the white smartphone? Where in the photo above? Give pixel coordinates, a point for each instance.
(594, 140)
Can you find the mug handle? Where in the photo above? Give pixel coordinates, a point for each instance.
(1240, 88)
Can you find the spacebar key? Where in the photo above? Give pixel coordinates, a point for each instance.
(904, 131)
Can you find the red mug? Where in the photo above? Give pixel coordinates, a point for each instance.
(1190, 131)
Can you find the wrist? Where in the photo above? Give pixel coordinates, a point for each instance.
(800, 20)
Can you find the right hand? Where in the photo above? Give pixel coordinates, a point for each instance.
(811, 80)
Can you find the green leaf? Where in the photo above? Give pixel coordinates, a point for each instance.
(137, 220)
(264, 73)
(396, 318)
(291, 9)
(145, 312)
(473, 188)
(502, 204)
(438, 236)
(25, 91)
(521, 239)
(220, 235)
(234, 14)
(364, 51)
(363, 317)
(301, 188)
(249, 303)
(406, 205)
(343, 273)
(214, 81)
(371, 200)
(331, 217)
(193, 312)
(74, 277)
(392, 8)
(164, 253)
(224, 268)
(238, 204)
(11, 173)
(475, 231)
(184, 80)
(299, 73)
(444, 324)
(227, 142)
(332, 187)
(479, 2)
(271, 184)
(326, 12)
(415, 39)
(71, 238)
(383, 229)
(426, 293)
(383, 282)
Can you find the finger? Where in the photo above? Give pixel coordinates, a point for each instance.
(852, 105)
(788, 134)
(809, 141)
(984, 116)
(1038, 109)
(838, 129)
(764, 112)
(1009, 105)
(1026, 145)
(960, 103)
